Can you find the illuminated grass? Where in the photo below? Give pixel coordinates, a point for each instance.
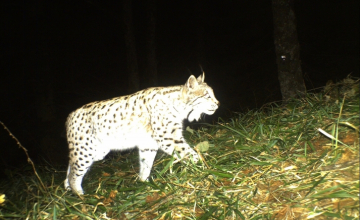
(299, 161)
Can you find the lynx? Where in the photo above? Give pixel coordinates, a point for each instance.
(150, 119)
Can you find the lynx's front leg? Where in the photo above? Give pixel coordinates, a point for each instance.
(175, 141)
(185, 151)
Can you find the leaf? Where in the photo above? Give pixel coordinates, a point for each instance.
(2, 199)
(339, 194)
(188, 129)
(106, 174)
(167, 166)
(259, 163)
(220, 174)
(209, 213)
(203, 146)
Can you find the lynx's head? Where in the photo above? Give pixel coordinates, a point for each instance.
(199, 98)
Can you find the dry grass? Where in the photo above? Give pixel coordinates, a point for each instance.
(300, 161)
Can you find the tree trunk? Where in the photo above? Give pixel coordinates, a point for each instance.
(132, 64)
(287, 50)
(151, 61)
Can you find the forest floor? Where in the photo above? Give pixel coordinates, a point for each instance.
(295, 161)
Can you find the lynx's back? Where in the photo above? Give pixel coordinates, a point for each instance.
(150, 119)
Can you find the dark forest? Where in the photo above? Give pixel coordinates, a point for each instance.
(59, 55)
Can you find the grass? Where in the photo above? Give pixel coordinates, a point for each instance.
(299, 161)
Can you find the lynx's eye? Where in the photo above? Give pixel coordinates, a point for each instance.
(206, 94)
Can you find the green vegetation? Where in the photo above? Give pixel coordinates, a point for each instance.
(299, 161)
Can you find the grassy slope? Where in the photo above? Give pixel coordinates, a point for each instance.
(295, 162)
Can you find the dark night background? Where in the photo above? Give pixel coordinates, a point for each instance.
(58, 55)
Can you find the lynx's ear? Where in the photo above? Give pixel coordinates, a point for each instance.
(201, 78)
(191, 83)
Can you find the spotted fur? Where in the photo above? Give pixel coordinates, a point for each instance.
(150, 119)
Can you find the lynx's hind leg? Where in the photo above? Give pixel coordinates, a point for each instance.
(80, 160)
